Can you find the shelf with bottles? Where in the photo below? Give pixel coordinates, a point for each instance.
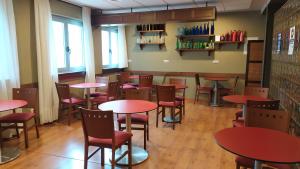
(151, 40)
(204, 30)
(194, 46)
(151, 34)
(151, 28)
(232, 37)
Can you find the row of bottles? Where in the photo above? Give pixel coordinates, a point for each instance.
(150, 27)
(202, 29)
(234, 36)
(199, 44)
(150, 39)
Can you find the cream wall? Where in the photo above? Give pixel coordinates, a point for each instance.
(231, 60)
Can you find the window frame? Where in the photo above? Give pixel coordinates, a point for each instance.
(66, 21)
(109, 29)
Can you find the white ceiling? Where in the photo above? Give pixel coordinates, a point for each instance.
(120, 6)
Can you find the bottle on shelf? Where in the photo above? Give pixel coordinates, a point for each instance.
(233, 36)
(201, 30)
(212, 29)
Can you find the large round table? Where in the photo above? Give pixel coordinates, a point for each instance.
(9, 153)
(260, 144)
(215, 101)
(88, 86)
(242, 99)
(129, 107)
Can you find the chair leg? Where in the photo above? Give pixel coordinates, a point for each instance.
(157, 114)
(36, 128)
(17, 130)
(85, 161)
(69, 115)
(25, 134)
(173, 116)
(113, 161)
(147, 130)
(237, 166)
(145, 135)
(183, 106)
(102, 156)
(129, 154)
(195, 96)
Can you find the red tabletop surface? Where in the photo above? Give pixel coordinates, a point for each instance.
(11, 104)
(242, 99)
(88, 85)
(128, 106)
(260, 144)
(217, 78)
(177, 86)
(134, 77)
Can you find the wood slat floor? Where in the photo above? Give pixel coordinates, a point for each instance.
(190, 146)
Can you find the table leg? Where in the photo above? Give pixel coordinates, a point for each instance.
(139, 155)
(244, 110)
(257, 164)
(88, 92)
(215, 102)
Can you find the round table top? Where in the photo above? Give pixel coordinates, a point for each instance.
(11, 104)
(128, 106)
(88, 85)
(217, 78)
(260, 144)
(242, 99)
(177, 86)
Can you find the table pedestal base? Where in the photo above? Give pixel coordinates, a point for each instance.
(169, 119)
(257, 164)
(139, 155)
(8, 154)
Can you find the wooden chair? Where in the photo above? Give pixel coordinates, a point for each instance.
(103, 90)
(137, 119)
(231, 90)
(98, 129)
(112, 94)
(166, 99)
(201, 89)
(180, 93)
(253, 91)
(125, 83)
(264, 118)
(66, 100)
(270, 105)
(31, 96)
(146, 81)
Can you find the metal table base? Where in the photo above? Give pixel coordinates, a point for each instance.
(8, 154)
(139, 155)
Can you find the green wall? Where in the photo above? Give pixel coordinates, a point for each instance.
(231, 59)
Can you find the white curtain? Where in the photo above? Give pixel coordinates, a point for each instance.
(122, 51)
(88, 45)
(9, 63)
(46, 61)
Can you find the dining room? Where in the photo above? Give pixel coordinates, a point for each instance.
(167, 84)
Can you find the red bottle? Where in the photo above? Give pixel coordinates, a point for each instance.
(242, 36)
(233, 36)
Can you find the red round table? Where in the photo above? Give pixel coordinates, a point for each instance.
(11, 153)
(129, 107)
(216, 80)
(242, 99)
(88, 86)
(260, 144)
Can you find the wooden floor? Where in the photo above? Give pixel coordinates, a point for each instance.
(190, 146)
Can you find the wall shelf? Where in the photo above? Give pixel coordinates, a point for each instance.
(151, 31)
(180, 51)
(142, 45)
(182, 37)
(221, 43)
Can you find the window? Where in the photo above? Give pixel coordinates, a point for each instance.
(109, 47)
(68, 39)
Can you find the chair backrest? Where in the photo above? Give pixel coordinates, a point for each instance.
(113, 89)
(197, 79)
(165, 93)
(137, 94)
(145, 80)
(63, 91)
(271, 119)
(270, 104)
(102, 79)
(28, 94)
(97, 123)
(177, 81)
(235, 83)
(124, 77)
(257, 91)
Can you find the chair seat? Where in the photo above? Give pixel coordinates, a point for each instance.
(127, 86)
(120, 138)
(135, 119)
(17, 117)
(74, 100)
(179, 98)
(245, 162)
(170, 104)
(238, 123)
(97, 94)
(101, 99)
